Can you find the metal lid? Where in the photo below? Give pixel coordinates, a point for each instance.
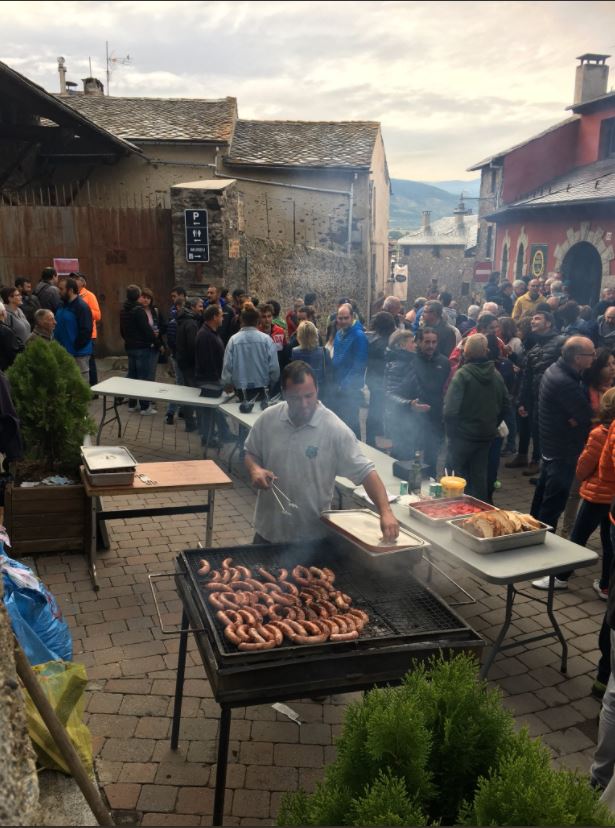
(362, 527)
(107, 458)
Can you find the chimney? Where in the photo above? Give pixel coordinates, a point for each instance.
(459, 212)
(591, 78)
(62, 74)
(92, 86)
(426, 222)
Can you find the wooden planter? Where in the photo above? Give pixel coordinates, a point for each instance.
(46, 518)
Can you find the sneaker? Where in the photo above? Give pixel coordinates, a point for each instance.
(543, 583)
(519, 462)
(531, 470)
(148, 412)
(598, 689)
(603, 592)
(169, 419)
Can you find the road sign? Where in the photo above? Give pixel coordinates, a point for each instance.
(482, 271)
(197, 236)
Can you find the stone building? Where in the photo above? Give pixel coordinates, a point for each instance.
(441, 254)
(549, 202)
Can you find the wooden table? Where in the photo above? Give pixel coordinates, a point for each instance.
(171, 477)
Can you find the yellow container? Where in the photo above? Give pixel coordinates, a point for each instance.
(452, 486)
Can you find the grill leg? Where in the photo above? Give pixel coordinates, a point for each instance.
(223, 744)
(495, 649)
(179, 682)
(209, 522)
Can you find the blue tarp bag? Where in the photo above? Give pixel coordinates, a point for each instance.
(35, 616)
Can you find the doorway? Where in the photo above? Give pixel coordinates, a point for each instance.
(520, 258)
(582, 272)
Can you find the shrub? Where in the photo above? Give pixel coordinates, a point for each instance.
(51, 400)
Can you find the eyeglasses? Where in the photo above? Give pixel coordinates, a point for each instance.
(593, 354)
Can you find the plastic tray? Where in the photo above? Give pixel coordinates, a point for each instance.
(362, 528)
(436, 521)
(485, 546)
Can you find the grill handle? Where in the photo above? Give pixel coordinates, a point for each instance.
(167, 631)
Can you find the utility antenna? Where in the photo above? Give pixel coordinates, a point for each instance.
(111, 62)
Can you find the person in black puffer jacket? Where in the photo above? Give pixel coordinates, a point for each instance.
(383, 325)
(564, 418)
(189, 321)
(545, 351)
(401, 395)
(139, 341)
(432, 371)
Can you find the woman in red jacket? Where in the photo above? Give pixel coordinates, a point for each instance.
(597, 491)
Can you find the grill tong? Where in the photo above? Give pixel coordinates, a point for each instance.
(290, 504)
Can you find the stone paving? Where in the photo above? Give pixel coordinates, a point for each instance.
(131, 665)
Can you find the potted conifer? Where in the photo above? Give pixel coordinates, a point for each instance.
(51, 400)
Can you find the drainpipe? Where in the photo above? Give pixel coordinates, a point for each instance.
(350, 206)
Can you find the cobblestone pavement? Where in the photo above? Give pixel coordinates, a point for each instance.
(131, 665)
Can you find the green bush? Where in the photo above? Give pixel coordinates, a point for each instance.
(439, 749)
(51, 400)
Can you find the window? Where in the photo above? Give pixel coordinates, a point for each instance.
(607, 138)
(520, 258)
(489, 241)
(504, 268)
(494, 180)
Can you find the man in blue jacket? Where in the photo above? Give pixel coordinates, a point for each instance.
(349, 363)
(74, 326)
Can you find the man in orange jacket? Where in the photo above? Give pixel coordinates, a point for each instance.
(92, 302)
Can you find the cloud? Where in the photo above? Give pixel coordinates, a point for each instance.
(451, 82)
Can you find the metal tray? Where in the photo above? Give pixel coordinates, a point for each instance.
(107, 459)
(118, 478)
(485, 546)
(437, 521)
(362, 528)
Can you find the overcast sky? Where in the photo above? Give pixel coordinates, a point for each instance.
(451, 82)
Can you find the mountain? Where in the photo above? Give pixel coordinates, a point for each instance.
(410, 198)
(469, 188)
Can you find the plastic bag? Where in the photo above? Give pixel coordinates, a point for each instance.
(64, 685)
(35, 616)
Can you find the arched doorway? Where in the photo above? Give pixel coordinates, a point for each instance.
(520, 257)
(582, 272)
(504, 268)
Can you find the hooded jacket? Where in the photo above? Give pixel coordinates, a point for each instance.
(74, 327)
(544, 353)
(208, 355)
(350, 358)
(188, 324)
(593, 488)
(376, 349)
(135, 328)
(48, 295)
(476, 402)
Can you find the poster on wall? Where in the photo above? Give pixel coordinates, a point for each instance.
(538, 260)
(65, 266)
(197, 236)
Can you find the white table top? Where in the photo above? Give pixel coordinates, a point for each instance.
(555, 555)
(156, 391)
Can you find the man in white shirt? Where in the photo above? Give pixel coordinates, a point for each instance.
(303, 446)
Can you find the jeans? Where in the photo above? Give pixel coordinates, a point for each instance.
(589, 518)
(469, 459)
(83, 364)
(493, 465)
(139, 362)
(179, 380)
(524, 428)
(153, 364)
(347, 405)
(92, 366)
(552, 490)
(604, 757)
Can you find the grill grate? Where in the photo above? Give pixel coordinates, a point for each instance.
(399, 606)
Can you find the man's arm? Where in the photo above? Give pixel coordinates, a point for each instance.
(274, 365)
(227, 367)
(259, 477)
(374, 487)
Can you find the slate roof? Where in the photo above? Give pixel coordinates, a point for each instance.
(505, 152)
(303, 143)
(591, 184)
(159, 119)
(444, 232)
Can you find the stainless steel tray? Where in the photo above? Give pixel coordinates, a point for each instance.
(118, 478)
(362, 528)
(485, 546)
(107, 459)
(438, 521)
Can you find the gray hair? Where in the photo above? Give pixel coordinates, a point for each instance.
(391, 301)
(398, 339)
(473, 311)
(40, 314)
(518, 283)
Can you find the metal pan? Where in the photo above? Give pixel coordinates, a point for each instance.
(416, 512)
(107, 458)
(485, 546)
(362, 528)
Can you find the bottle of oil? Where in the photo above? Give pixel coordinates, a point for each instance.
(415, 478)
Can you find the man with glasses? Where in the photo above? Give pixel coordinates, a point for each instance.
(606, 328)
(564, 417)
(527, 304)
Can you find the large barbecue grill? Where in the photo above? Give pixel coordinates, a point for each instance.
(408, 623)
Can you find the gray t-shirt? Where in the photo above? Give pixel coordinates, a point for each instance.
(306, 461)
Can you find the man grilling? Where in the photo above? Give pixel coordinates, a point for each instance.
(303, 447)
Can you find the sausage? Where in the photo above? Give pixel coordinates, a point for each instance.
(228, 617)
(329, 574)
(254, 645)
(283, 574)
(214, 586)
(228, 599)
(256, 585)
(249, 616)
(226, 576)
(256, 636)
(226, 563)
(285, 600)
(215, 576)
(349, 636)
(361, 617)
(204, 567)
(267, 576)
(231, 634)
(276, 633)
(214, 600)
(285, 628)
(241, 586)
(244, 571)
(301, 575)
(318, 573)
(330, 625)
(234, 573)
(307, 598)
(343, 623)
(286, 586)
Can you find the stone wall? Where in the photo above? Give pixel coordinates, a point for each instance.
(283, 272)
(439, 268)
(18, 778)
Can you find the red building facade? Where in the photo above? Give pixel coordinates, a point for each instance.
(549, 203)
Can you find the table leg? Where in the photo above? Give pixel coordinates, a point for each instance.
(117, 417)
(210, 429)
(102, 419)
(556, 626)
(223, 745)
(179, 681)
(510, 598)
(209, 523)
(93, 545)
